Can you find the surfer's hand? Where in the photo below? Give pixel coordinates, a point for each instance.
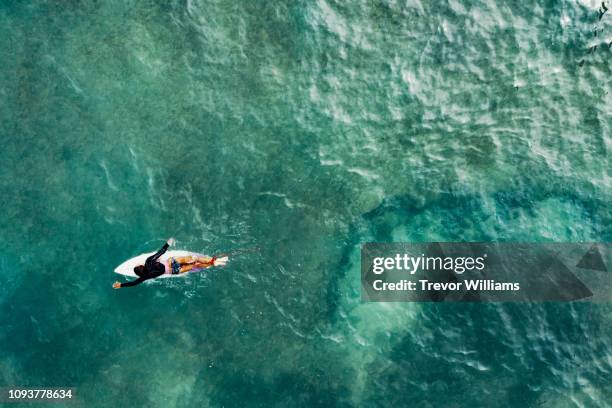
(171, 242)
(116, 285)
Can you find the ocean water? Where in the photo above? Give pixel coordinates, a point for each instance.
(299, 130)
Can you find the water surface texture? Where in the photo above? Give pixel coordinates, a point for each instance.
(302, 128)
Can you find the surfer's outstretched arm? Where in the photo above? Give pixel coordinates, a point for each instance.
(159, 253)
(135, 282)
(156, 255)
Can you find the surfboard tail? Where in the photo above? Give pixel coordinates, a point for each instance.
(221, 261)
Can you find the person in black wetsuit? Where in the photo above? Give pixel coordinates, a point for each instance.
(151, 269)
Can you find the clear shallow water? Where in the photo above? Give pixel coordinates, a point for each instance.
(304, 128)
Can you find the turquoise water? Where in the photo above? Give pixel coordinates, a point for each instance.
(303, 129)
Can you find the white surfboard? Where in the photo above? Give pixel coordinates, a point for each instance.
(127, 268)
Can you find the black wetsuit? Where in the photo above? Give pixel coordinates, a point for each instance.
(152, 268)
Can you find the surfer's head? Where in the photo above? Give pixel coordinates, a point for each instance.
(138, 269)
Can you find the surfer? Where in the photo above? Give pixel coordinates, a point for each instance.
(153, 268)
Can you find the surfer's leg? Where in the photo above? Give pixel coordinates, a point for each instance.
(186, 260)
(200, 263)
(204, 260)
(187, 268)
